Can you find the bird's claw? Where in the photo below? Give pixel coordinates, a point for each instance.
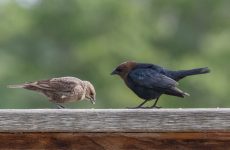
(155, 107)
(135, 107)
(60, 106)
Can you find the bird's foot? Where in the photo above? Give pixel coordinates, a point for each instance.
(155, 107)
(60, 106)
(132, 107)
(135, 107)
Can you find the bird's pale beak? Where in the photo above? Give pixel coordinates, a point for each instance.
(114, 72)
(93, 100)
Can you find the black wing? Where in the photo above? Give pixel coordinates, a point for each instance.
(153, 67)
(150, 78)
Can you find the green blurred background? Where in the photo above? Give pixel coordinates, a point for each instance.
(41, 39)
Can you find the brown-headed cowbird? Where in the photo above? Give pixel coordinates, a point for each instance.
(62, 90)
(150, 81)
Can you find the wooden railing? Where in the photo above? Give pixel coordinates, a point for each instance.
(115, 129)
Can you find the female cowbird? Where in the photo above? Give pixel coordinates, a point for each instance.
(62, 90)
(150, 81)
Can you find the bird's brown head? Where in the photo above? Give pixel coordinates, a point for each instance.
(123, 69)
(90, 92)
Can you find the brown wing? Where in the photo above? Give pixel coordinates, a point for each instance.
(64, 84)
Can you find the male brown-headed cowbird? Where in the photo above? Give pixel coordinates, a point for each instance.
(150, 81)
(62, 90)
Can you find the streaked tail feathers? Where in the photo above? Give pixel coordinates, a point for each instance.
(30, 86)
(16, 86)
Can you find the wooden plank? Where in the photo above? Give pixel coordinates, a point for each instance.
(115, 141)
(115, 120)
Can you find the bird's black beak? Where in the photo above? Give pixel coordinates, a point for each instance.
(114, 72)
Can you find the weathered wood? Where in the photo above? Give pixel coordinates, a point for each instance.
(115, 120)
(116, 141)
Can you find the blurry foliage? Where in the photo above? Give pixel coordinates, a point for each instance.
(51, 38)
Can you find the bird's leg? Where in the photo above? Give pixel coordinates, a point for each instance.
(155, 104)
(59, 106)
(139, 106)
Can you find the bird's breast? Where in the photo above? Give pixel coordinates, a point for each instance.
(142, 92)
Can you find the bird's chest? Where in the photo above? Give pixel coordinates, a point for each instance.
(62, 97)
(142, 92)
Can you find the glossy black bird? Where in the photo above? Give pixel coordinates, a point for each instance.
(150, 81)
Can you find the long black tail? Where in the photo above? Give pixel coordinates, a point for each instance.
(177, 75)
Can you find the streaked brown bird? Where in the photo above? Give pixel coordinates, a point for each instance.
(149, 81)
(62, 90)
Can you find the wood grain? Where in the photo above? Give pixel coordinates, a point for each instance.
(115, 120)
(115, 141)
